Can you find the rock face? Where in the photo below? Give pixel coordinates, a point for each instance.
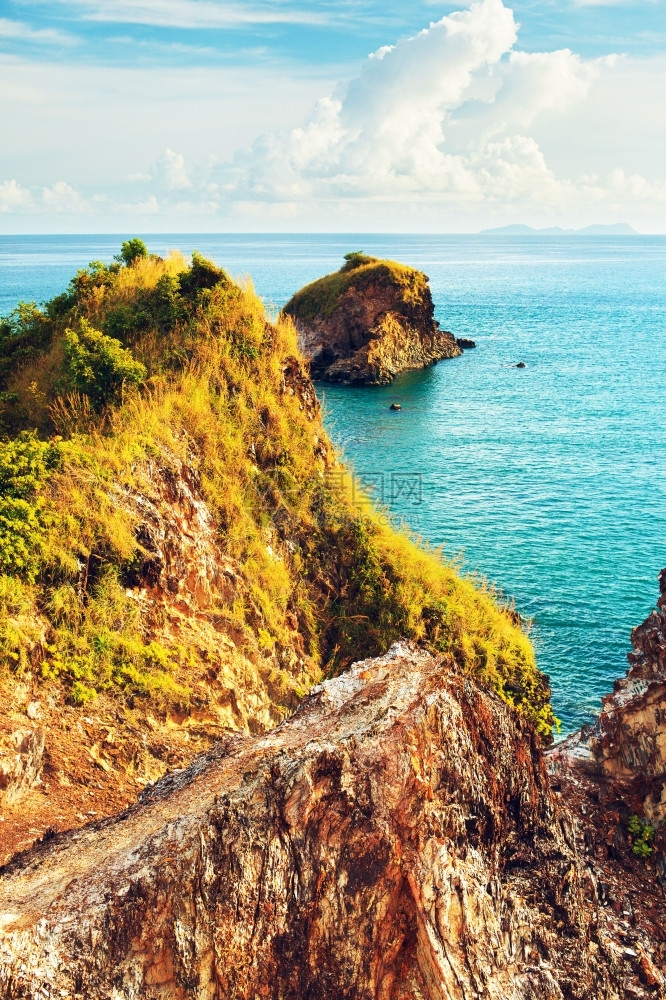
(625, 751)
(396, 839)
(615, 770)
(369, 321)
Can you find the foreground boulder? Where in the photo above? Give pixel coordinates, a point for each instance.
(396, 838)
(369, 321)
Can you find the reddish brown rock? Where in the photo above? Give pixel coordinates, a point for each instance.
(625, 750)
(369, 321)
(396, 839)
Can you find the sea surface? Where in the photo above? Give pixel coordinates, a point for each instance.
(547, 481)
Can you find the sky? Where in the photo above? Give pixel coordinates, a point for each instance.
(331, 115)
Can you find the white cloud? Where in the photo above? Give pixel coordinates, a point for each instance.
(13, 197)
(169, 171)
(387, 133)
(63, 199)
(455, 127)
(193, 13)
(43, 36)
(444, 117)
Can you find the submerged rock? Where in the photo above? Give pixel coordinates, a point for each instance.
(369, 321)
(397, 837)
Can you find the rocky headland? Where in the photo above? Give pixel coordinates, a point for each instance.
(369, 321)
(255, 743)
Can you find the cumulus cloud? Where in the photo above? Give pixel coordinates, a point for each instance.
(63, 199)
(455, 123)
(13, 197)
(169, 171)
(443, 116)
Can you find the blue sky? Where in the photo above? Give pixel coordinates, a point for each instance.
(204, 114)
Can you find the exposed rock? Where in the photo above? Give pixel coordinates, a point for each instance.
(465, 343)
(396, 838)
(616, 769)
(395, 406)
(521, 364)
(21, 754)
(625, 750)
(369, 321)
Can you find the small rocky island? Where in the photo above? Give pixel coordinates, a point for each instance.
(368, 321)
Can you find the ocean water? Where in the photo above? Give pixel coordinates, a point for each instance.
(547, 481)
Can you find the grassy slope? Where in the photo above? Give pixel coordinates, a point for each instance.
(210, 395)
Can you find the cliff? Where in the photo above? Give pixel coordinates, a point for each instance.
(613, 774)
(181, 553)
(368, 321)
(625, 750)
(396, 838)
(183, 559)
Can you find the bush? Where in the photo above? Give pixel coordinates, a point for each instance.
(642, 834)
(98, 365)
(23, 335)
(25, 463)
(357, 259)
(203, 274)
(132, 250)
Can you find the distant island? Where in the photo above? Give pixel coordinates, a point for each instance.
(614, 229)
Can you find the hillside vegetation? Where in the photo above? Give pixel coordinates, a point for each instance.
(321, 298)
(169, 503)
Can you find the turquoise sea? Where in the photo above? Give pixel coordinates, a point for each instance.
(549, 480)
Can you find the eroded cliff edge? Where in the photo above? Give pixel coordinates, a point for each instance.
(368, 321)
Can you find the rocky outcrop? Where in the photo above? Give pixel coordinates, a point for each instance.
(612, 776)
(625, 750)
(396, 838)
(369, 321)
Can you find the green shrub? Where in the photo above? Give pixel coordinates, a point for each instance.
(132, 250)
(97, 365)
(357, 259)
(202, 275)
(25, 463)
(24, 334)
(642, 834)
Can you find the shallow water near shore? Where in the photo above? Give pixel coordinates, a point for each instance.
(548, 481)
